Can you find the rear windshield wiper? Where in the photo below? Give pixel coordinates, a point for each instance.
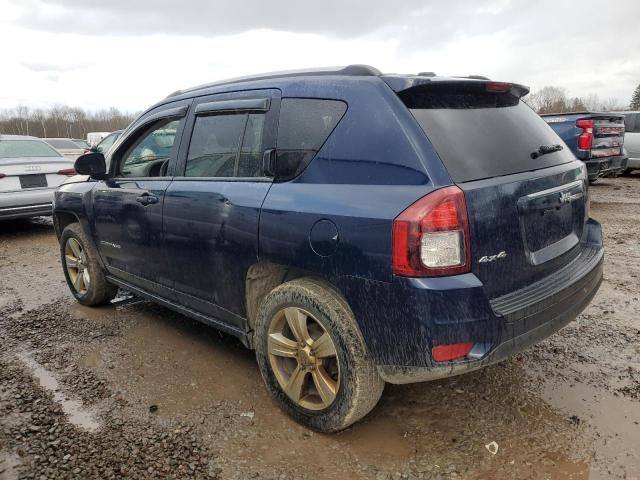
(544, 149)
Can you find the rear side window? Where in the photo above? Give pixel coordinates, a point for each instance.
(480, 134)
(305, 124)
(61, 143)
(632, 122)
(226, 146)
(25, 148)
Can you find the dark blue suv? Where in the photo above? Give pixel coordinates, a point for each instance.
(352, 227)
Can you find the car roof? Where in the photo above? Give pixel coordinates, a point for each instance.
(18, 137)
(292, 78)
(396, 81)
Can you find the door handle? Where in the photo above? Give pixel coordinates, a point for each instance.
(147, 199)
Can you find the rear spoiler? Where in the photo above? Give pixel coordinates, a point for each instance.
(401, 83)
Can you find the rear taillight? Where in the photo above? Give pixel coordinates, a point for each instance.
(431, 237)
(68, 172)
(585, 140)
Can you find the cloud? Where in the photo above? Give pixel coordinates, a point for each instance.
(54, 67)
(209, 18)
(131, 53)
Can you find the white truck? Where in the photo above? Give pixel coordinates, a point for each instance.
(94, 138)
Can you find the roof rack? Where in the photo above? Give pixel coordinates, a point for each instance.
(350, 70)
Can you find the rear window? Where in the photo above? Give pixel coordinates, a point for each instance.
(25, 148)
(305, 124)
(479, 134)
(61, 143)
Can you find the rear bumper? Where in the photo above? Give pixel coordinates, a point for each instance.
(27, 203)
(26, 211)
(633, 163)
(417, 314)
(606, 167)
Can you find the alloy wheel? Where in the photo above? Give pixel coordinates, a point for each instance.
(303, 358)
(77, 268)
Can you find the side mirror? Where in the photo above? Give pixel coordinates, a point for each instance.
(92, 164)
(269, 162)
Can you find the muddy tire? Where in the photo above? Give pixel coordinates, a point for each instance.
(82, 269)
(339, 383)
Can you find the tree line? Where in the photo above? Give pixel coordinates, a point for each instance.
(552, 99)
(74, 122)
(61, 121)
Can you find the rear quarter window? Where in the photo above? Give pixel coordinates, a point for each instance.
(305, 124)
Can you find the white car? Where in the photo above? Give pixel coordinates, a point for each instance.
(30, 171)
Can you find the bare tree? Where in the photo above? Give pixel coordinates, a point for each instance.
(549, 100)
(61, 121)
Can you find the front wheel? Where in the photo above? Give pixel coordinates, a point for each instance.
(313, 358)
(82, 269)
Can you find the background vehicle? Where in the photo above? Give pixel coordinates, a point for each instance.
(81, 143)
(352, 227)
(632, 139)
(30, 170)
(595, 138)
(105, 144)
(67, 147)
(94, 138)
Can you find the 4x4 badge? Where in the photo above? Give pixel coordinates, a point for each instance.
(493, 258)
(565, 197)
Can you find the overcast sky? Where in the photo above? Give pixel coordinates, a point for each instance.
(131, 53)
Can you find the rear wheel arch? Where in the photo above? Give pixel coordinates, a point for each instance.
(264, 277)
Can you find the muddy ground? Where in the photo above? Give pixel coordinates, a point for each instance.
(133, 390)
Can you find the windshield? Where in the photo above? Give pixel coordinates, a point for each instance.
(105, 144)
(26, 148)
(81, 143)
(482, 135)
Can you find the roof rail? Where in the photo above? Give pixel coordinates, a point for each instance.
(350, 70)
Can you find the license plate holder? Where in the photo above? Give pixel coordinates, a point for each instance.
(33, 181)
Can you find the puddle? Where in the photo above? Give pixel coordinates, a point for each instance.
(9, 463)
(76, 413)
(616, 419)
(179, 365)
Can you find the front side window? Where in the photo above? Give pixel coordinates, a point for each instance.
(149, 155)
(226, 146)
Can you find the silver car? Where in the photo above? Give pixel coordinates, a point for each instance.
(30, 171)
(67, 147)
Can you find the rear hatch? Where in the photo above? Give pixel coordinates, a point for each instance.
(526, 194)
